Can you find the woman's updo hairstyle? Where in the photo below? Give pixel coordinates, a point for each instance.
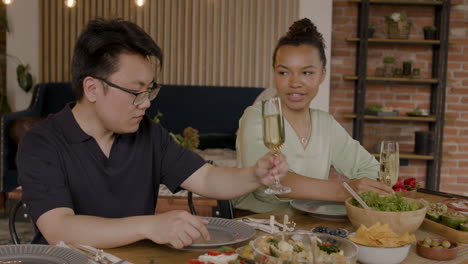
(302, 32)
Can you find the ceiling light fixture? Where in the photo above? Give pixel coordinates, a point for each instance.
(70, 3)
(7, 2)
(139, 2)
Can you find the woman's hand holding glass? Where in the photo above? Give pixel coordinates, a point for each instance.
(274, 136)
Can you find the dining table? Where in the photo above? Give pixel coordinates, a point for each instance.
(148, 252)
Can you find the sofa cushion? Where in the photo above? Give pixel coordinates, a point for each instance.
(210, 109)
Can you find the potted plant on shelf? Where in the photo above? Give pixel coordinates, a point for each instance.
(429, 32)
(398, 72)
(407, 65)
(388, 66)
(397, 26)
(416, 73)
(370, 31)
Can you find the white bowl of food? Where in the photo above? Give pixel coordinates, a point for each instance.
(382, 255)
(303, 248)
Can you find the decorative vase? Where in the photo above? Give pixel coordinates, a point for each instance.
(407, 69)
(370, 32)
(416, 73)
(379, 72)
(398, 72)
(398, 30)
(388, 69)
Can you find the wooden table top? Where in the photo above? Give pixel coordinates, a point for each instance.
(146, 252)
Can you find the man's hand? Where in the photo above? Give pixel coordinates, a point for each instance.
(269, 167)
(178, 228)
(367, 184)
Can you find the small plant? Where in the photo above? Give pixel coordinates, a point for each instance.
(397, 17)
(407, 65)
(374, 108)
(24, 77)
(388, 59)
(4, 24)
(370, 30)
(429, 28)
(429, 32)
(190, 138)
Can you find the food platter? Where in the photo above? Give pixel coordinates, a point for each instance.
(223, 232)
(459, 205)
(327, 210)
(39, 254)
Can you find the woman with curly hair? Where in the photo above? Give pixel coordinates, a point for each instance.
(315, 141)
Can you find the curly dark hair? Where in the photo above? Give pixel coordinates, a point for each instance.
(302, 32)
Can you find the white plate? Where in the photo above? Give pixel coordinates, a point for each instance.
(39, 254)
(223, 232)
(321, 209)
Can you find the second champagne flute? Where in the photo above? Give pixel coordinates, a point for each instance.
(274, 135)
(389, 162)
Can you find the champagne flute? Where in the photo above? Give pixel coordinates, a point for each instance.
(274, 136)
(389, 162)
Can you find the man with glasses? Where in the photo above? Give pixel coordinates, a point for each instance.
(91, 173)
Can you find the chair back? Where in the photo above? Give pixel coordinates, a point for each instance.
(12, 223)
(223, 210)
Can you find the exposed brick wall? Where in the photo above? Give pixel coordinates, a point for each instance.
(405, 97)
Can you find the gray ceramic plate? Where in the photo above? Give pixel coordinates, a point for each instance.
(321, 209)
(223, 232)
(39, 254)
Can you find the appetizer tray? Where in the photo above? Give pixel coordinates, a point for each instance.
(445, 231)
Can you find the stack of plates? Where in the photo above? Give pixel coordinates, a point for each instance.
(40, 254)
(322, 209)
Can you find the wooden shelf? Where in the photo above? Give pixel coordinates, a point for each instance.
(400, 41)
(392, 79)
(430, 118)
(407, 2)
(410, 155)
(397, 41)
(402, 2)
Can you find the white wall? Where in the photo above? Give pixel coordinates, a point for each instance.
(320, 13)
(23, 43)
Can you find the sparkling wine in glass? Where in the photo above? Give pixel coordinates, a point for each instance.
(273, 136)
(389, 162)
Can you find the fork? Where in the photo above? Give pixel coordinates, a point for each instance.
(94, 255)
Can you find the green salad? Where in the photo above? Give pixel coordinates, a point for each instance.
(388, 203)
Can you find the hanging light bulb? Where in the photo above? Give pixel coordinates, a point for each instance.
(7, 2)
(70, 3)
(139, 2)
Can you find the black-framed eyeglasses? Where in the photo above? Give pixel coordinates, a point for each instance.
(140, 97)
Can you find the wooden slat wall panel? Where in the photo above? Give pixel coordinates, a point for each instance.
(205, 42)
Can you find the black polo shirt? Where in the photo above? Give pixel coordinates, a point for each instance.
(60, 165)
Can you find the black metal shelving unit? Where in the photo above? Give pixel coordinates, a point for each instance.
(437, 83)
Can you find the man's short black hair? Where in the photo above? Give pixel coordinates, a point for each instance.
(98, 48)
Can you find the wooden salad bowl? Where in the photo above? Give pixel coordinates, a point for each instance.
(400, 222)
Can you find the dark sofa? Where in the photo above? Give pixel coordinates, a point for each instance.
(213, 110)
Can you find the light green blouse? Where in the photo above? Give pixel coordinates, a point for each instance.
(329, 145)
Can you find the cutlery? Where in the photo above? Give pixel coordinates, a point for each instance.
(96, 255)
(356, 196)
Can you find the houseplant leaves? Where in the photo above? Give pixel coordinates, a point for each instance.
(24, 77)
